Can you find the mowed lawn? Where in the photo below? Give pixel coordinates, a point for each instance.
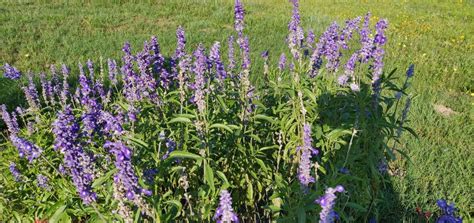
(435, 36)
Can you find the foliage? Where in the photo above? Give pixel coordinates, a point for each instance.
(162, 142)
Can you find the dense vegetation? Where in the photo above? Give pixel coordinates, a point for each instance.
(179, 131)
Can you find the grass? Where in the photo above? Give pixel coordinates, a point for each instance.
(436, 36)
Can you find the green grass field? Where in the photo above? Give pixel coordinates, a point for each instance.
(436, 36)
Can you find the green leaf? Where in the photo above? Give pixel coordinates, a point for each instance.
(180, 120)
(57, 214)
(356, 206)
(184, 155)
(264, 117)
(209, 176)
(176, 204)
(221, 126)
(99, 181)
(301, 215)
(223, 178)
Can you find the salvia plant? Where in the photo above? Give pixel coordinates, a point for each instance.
(191, 137)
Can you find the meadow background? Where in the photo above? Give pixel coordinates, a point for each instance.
(436, 36)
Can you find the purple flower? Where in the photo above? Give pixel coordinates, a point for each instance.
(14, 171)
(304, 168)
(296, 36)
(26, 148)
(350, 65)
(76, 160)
(366, 41)
(354, 87)
(125, 178)
(112, 71)
(327, 202)
(199, 69)
(47, 89)
(112, 124)
(310, 38)
(410, 71)
(31, 93)
(65, 89)
(380, 38)
(448, 212)
(346, 33)
(239, 17)
(246, 54)
(342, 80)
(225, 213)
(10, 121)
(231, 59)
(282, 62)
(42, 181)
(331, 50)
(171, 145)
(180, 35)
(215, 58)
(11, 72)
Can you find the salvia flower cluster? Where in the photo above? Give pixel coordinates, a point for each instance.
(150, 137)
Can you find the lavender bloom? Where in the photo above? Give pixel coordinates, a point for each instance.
(231, 65)
(129, 76)
(354, 87)
(112, 125)
(78, 162)
(47, 89)
(327, 202)
(171, 145)
(239, 17)
(346, 33)
(342, 80)
(14, 171)
(112, 71)
(310, 38)
(180, 35)
(225, 212)
(380, 38)
(11, 72)
(215, 58)
(246, 53)
(199, 68)
(282, 62)
(125, 178)
(366, 42)
(304, 168)
(10, 121)
(98, 85)
(331, 51)
(296, 36)
(350, 65)
(31, 93)
(55, 80)
(448, 212)
(65, 89)
(378, 54)
(26, 148)
(410, 71)
(42, 181)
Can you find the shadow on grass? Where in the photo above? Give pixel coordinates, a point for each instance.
(361, 164)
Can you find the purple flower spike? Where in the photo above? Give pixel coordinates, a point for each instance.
(11, 72)
(225, 212)
(282, 62)
(246, 54)
(239, 18)
(76, 160)
(10, 121)
(304, 168)
(199, 69)
(410, 71)
(180, 35)
(65, 88)
(327, 202)
(42, 181)
(31, 93)
(296, 36)
(26, 148)
(113, 72)
(215, 58)
(231, 58)
(15, 172)
(125, 180)
(366, 41)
